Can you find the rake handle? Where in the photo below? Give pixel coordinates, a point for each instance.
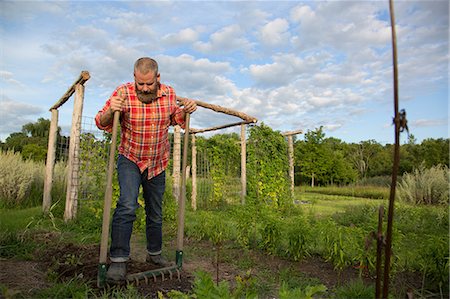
(108, 191)
(182, 201)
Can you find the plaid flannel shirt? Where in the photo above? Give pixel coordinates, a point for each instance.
(145, 127)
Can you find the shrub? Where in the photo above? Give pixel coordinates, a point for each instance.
(425, 186)
(17, 178)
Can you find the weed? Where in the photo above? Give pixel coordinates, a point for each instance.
(355, 289)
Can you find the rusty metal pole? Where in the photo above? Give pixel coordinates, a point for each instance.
(387, 255)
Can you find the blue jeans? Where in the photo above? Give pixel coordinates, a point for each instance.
(130, 179)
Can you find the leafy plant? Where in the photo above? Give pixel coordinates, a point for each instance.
(355, 289)
(268, 167)
(307, 293)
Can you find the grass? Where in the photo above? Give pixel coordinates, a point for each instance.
(13, 220)
(324, 205)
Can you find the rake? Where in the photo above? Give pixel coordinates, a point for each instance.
(166, 272)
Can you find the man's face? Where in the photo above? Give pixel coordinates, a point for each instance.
(147, 86)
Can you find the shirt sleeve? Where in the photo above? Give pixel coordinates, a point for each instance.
(104, 110)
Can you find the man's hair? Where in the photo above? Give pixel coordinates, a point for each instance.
(145, 65)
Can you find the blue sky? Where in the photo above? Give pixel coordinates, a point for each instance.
(291, 64)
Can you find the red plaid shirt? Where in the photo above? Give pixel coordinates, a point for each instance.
(145, 127)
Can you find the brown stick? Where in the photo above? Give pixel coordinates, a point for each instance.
(84, 76)
(387, 254)
(290, 133)
(221, 109)
(108, 192)
(182, 202)
(379, 253)
(195, 131)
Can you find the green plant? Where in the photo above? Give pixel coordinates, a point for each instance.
(73, 288)
(355, 289)
(301, 293)
(299, 236)
(204, 287)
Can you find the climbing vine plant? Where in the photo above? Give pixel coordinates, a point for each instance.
(267, 167)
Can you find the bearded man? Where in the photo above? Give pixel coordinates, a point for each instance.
(147, 109)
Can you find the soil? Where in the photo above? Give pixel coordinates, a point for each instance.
(66, 261)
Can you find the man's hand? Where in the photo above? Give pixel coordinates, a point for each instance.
(189, 106)
(117, 102)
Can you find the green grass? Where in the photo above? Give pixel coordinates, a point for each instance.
(323, 205)
(13, 220)
(372, 192)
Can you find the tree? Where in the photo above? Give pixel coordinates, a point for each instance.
(32, 141)
(314, 158)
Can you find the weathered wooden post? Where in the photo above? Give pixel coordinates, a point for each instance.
(176, 162)
(291, 156)
(243, 164)
(194, 174)
(70, 211)
(50, 164)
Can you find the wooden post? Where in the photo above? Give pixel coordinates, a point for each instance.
(243, 164)
(74, 151)
(176, 162)
(291, 157)
(50, 163)
(291, 163)
(194, 174)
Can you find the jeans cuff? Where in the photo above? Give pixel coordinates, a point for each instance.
(120, 259)
(154, 253)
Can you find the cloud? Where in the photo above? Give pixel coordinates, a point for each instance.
(184, 36)
(227, 39)
(428, 122)
(14, 114)
(275, 33)
(9, 78)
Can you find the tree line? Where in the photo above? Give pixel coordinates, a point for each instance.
(319, 160)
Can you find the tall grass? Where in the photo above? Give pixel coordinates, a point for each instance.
(22, 181)
(19, 180)
(425, 186)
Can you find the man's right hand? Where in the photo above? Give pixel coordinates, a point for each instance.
(117, 102)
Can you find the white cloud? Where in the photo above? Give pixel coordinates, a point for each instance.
(428, 122)
(15, 114)
(9, 78)
(275, 33)
(184, 36)
(228, 39)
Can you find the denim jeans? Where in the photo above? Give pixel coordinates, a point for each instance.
(130, 179)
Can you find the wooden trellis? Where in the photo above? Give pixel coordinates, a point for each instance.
(74, 149)
(246, 119)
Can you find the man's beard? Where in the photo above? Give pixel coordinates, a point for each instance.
(147, 97)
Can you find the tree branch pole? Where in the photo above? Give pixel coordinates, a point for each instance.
(395, 167)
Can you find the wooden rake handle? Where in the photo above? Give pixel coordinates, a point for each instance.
(182, 201)
(108, 191)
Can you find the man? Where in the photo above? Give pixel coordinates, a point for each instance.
(147, 109)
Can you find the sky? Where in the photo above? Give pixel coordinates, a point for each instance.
(290, 64)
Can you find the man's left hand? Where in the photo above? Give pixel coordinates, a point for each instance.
(189, 106)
